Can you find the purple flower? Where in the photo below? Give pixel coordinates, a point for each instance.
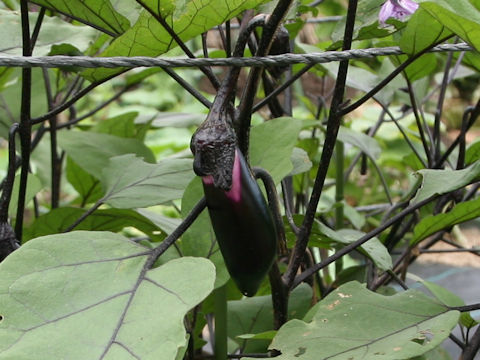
(397, 9)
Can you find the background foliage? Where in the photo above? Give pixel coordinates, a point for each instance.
(373, 159)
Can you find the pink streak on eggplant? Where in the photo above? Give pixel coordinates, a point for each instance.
(243, 226)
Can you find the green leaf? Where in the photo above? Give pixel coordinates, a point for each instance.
(254, 316)
(147, 37)
(373, 248)
(87, 186)
(422, 31)
(460, 17)
(401, 326)
(438, 353)
(473, 153)
(437, 182)
(266, 335)
(34, 185)
(98, 14)
(429, 225)
(59, 219)
(199, 239)
(423, 66)
(130, 182)
(11, 93)
(167, 224)
(121, 125)
(300, 161)
(92, 151)
(448, 298)
(61, 292)
(366, 143)
(275, 154)
(54, 31)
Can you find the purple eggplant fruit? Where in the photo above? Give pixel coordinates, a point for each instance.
(243, 226)
(240, 217)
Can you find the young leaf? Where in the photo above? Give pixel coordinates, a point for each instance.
(60, 292)
(437, 182)
(92, 151)
(401, 326)
(98, 14)
(431, 224)
(275, 154)
(130, 182)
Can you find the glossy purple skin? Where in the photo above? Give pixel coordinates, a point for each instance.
(243, 226)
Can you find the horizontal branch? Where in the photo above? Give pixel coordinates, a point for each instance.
(274, 60)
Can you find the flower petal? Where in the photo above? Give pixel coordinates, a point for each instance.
(385, 12)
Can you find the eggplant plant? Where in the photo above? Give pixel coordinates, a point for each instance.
(317, 178)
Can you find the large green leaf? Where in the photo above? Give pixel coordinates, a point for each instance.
(99, 14)
(274, 154)
(437, 182)
(59, 219)
(92, 151)
(422, 31)
(353, 322)
(89, 295)
(130, 182)
(460, 17)
(431, 224)
(147, 37)
(254, 315)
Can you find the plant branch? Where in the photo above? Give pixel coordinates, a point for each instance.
(84, 216)
(248, 95)
(25, 127)
(419, 122)
(279, 288)
(470, 351)
(10, 178)
(56, 165)
(438, 111)
(333, 126)
(184, 225)
(362, 240)
(386, 80)
(93, 111)
(474, 112)
(65, 105)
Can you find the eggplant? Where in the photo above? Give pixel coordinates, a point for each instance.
(243, 226)
(240, 217)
